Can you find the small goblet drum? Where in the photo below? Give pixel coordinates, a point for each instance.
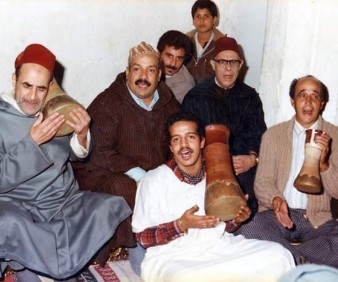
(308, 179)
(58, 101)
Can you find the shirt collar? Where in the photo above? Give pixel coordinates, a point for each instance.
(9, 98)
(298, 128)
(141, 103)
(222, 86)
(201, 49)
(184, 177)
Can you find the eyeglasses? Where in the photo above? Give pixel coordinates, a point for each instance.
(227, 63)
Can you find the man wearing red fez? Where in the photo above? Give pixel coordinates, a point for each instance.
(48, 225)
(224, 99)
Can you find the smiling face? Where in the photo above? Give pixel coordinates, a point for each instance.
(143, 75)
(186, 146)
(226, 74)
(172, 59)
(308, 101)
(31, 87)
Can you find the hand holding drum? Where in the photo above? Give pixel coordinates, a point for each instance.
(58, 101)
(224, 196)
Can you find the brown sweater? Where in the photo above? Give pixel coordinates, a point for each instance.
(274, 168)
(201, 68)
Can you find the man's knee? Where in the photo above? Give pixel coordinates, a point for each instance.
(10, 217)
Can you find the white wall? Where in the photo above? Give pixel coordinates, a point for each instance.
(301, 39)
(91, 38)
(245, 21)
(281, 39)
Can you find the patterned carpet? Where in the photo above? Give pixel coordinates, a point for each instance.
(113, 271)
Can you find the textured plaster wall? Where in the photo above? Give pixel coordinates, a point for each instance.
(91, 38)
(301, 38)
(281, 40)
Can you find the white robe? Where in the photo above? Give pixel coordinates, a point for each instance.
(203, 254)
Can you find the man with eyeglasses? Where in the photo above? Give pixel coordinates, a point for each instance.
(224, 99)
(301, 222)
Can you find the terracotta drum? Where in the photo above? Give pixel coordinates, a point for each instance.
(308, 179)
(224, 196)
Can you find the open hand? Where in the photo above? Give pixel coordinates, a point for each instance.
(190, 220)
(280, 207)
(44, 130)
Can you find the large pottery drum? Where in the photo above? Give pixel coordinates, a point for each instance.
(224, 196)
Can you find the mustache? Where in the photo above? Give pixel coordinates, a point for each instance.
(185, 149)
(137, 82)
(35, 101)
(171, 67)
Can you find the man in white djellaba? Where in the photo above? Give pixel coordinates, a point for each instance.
(182, 242)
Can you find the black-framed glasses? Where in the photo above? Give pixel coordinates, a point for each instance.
(226, 63)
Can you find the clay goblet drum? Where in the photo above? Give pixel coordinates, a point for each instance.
(58, 101)
(308, 179)
(224, 196)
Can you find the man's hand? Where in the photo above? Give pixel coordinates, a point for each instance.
(242, 163)
(189, 220)
(243, 214)
(323, 141)
(44, 130)
(280, 207)
(80, 124)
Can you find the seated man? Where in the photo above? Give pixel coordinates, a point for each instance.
(184, 244)
(175, 48)
(47, 225)
(128, 130)
(225, 99)
(286, 214)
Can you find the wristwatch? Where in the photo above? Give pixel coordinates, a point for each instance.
(256, 156)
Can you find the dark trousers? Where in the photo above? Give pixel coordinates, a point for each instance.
(316, 245)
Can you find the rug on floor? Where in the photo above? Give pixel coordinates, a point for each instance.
(113, 271)
(116, 271)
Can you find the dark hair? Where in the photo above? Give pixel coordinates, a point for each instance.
(175, 39)
(324, 92)
(17, 72)
(183, 116)
(205, 4)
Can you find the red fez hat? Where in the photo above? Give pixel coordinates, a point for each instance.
(226, 43)
(36, 54)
